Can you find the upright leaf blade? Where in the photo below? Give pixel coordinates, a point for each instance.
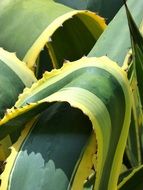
(137, 47)
(118, 29)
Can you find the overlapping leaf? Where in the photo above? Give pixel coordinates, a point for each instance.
(14, 77)
(100, 89)
(115, 41)
(107, 9)
(47, 32)
(134, 146)
(133, 180)
(137, 47)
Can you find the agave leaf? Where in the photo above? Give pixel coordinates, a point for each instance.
(133, 180)
(4, 149)
(55, 162)
(63, 34)
(137, 47)
(14, 77)
(137, 72)
(118, 29)
(124, 173)
(99, 88)
(133, 148)
(107, 9)
(85, 163)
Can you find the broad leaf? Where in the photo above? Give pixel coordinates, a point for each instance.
(115, 41)
(99, 88)
(57, 31)
(51, 151)
(107, 9)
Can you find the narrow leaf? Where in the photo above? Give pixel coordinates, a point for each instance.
(133, 180)
(137, 47)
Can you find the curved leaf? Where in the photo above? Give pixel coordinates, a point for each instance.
(99, 88)
(107, 9)
(14, 77)
(62, 34)
(44, 152)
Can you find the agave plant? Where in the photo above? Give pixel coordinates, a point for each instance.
(71, 101)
